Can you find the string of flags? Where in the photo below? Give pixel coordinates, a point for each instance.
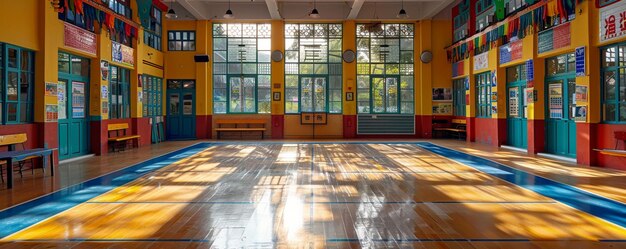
(92, 15)
(535, 18)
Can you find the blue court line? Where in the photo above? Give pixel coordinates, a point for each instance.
(18, 217)
(599, 206)
(323, 202)
(331, 240)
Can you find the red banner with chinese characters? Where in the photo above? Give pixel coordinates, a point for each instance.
(80, 39)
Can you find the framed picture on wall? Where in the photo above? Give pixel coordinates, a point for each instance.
(349, 96)
(442, 94)
(276, 96)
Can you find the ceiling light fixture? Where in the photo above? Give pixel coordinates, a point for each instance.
(314, 13)
(229, 13)
(171, 14)
(402, 14)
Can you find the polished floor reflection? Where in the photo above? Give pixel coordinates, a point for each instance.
(281, 195)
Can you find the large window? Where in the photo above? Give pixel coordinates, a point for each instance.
(152, 34)
(614, 83)
(483, 92)
(119, 93)
(152, 96)
(458, 96)
(181, 40)
(121, 7)
(385, 68)
(313, 68)
(17, 76)
(241, 68)
(70, 16)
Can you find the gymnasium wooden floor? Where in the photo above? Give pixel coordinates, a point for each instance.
(326, 195)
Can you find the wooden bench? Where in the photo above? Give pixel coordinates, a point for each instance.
(619, 136)
(458, 128)
(14, 155)
(240, 125)
(120, 141)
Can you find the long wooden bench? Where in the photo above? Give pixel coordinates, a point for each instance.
(458, 128)
(235, 125)
(120, 141)
(619, 136)
(14, 155)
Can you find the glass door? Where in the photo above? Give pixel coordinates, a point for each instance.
(517, 112)
(242, 95)
(313, 94)
(385, 98)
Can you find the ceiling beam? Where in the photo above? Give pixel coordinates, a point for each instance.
(356, 7)
(439, 6)
(191, 9)
(272, 7)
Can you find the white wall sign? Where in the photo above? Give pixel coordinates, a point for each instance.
(481, 61)
(612, 21)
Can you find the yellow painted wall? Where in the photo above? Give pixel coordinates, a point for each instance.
(20, 22)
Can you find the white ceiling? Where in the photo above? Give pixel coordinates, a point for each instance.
(299, 9)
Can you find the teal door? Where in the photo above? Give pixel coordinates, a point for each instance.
(560, 126)
(516, 119)
(73, 96)
(181, 110)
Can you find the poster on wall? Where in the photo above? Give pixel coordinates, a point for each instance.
(481, 61)
(494, 110)
(511, 51)
(61, 98)
(555, 96)
(513, 101)
(442, 109)
(122, 54)
(528, 94)
(580, 114)
(51, 89)
(581, 94)
(554, 38)
(442, 94)
(104, 92)
(466, 83)
(78, 99)
(104, 69)
(611, 21)
(105, 108)
(494, 96)
(52, 113)
(494, 78)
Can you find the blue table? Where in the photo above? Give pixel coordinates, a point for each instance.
(16, 156)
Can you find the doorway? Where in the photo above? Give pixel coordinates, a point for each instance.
(516, 102)
(181, 110)
(73, 96)
(560, 105)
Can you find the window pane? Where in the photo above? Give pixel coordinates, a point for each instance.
(609, 112)
(609, 85)
(12, 58)
(12, 82)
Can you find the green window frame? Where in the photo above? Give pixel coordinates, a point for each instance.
(313, 50)
(17, 77)
(483, 95)
(121, 7)
(181, 40)
(516, 77)
(119, 93)
(152, 34)
(385, 52)
(613, 78)
(241, 68)
(152, 96)
(458, 96)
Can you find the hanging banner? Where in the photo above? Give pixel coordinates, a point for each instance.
(481, 61)
(80, 39)
(612, 21)
(555, 38)
(123, 54)
(458, 69)
(511, 52)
